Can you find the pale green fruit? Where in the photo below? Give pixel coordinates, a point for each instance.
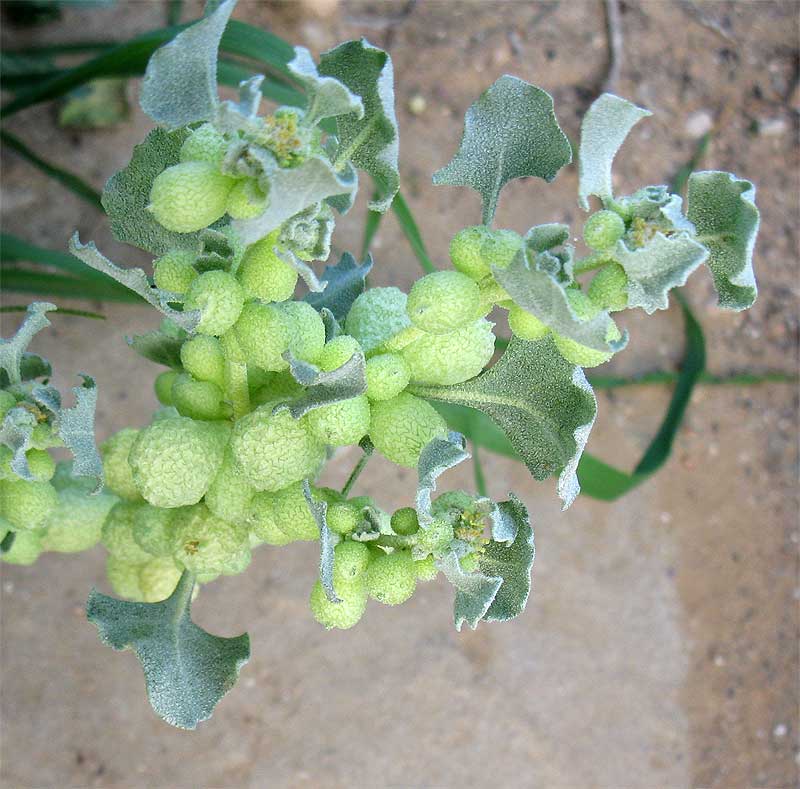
(174, 460)
(391, 578)
(230, 494)
(275, 450)
(163, 386)
(337, 352)
(199, 399)
(7, 402)
(342, 517)
(306, 330)
(573, 351)
(474, 250)
(26, 548)
(387, 376)
(608, 290)
(426, 568)
(204, 144)
(401, 427)
(158, 579)
(292, 515)
(175, 271)
(219, 297)
(435, 538)
(202, 358)
(376, 315)
(26, 505)
(450, 358)
(117, 534)
(40, 464)
(263, 275)
(246, 200)
(76, 524)
(207, 544)
(525, 325)
(603, 229)
(189, 196)
(443, 301)
(263, 335)
(154, 529)
(124, 578)
(262, 520)
(341, 424)
(350, 559)
(405, 522)
(343, 615)
(116, 468)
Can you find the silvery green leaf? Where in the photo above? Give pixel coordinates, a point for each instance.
(187, 670)
(505, 524)
(180, 83)
(136, 280)
(158, 347)
(13, 348)
(539, 288)
(327, 542)
(663, 263)
(242, 115)
(724, 212)
(324, 388)
(332, 327)
(370, 140)
(603, 130)
(308, 233)
(540, 401)
(327, 97)
(344, 202)
(474, 591)
(510, 132)
(292, 191)
(33, 366)
(436, 457)
(542, 238)
(15, 433)
(512, 563)
(75, 427)
(658, 207)
(344, 283)
(127, 194)
(48, 397)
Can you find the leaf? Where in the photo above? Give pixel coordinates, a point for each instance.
(180, 82)
(292, 191)
(16, 430)
(137, 281)
(369, 140)
(410, 230)
(327, 97)
(510, 132)
(344, 283)
(512, 563)
(158, 347)
(127, 195)
(436, 457)
(539, 288)
(323, 388)
(327, 542)
(474, 591)
(654, 269)
(542, 403)
(75, 427)
(12, 349)
(186, 669)
(603, 130)
(722, 208)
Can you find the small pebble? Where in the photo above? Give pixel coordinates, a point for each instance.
(698, 123)
(417, 104)
(780, 730)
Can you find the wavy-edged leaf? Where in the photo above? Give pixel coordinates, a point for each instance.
(13, 348)
(16, 430)
(542, 403)
(475, 592)
(158, 347)
(603, 130)
(327, 96)
(294, 190)
(327, 542)
(180, 82)
(539, 288)
(343, 284)
(437, 456)
(187, 670)
(324, 388)
(722, 208)
(512, 563)
(510, 132)
(369, 140)
(663, 263)
(137, 281)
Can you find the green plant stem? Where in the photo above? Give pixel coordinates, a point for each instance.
(356, 472)
(477, 468)
(236, 385)
(62, 310)
(591, 262)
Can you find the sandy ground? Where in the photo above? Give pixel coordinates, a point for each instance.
(660, 644)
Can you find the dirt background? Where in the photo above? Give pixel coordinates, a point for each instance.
(660, 644)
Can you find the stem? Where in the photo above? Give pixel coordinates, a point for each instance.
(356, 472)
(477, 468)
(591, 262)
(236, 387)
(181, 596)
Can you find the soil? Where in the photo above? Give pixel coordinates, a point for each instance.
(660, 644)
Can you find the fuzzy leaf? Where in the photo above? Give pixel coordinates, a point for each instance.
(187, 670)
(603, 130)
(538, 286)
(474, 591)
(344, 283)
(15, 433)
(654, 269)
(510, 132)
(127, 195)
(75, 427)
(327, 97)
(512, 563)
(436, 457)
(180, 83)
(722, 208)
(158, 347)
(13, 349)
(542, 403)
(327, 542)
(369, 140)
(292, 191)
(323, 388)
(136, 280)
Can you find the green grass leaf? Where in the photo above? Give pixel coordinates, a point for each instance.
(411, 231)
